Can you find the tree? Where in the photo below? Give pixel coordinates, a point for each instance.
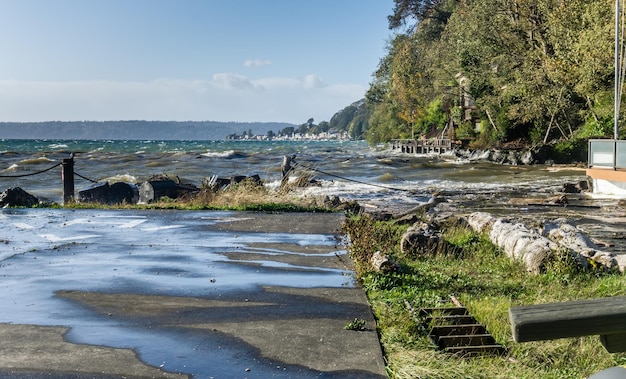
(322, 127)
(418, 11)
(289, 130)
(537, 70)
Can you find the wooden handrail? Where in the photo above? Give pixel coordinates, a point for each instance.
(605, 317)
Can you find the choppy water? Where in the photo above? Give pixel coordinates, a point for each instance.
(350, 169)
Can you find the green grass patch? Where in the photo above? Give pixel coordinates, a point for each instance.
(488, 284)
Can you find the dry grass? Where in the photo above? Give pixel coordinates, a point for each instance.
(247, 195)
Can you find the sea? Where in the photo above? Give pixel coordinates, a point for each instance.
(352, 170)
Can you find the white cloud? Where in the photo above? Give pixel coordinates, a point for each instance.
(257, 63)
(313, 81)
(234, 81)
(227, 97)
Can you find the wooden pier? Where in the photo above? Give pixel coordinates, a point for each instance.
(422, 146)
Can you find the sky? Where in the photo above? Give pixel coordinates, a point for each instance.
(180, 60)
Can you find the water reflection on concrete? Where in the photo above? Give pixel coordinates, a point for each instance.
(48, 258)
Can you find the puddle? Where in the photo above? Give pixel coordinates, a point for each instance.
(152, 253)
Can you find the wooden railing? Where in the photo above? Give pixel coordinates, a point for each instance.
(422, 146)
(605, 317)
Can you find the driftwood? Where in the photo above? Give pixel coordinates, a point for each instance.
(432, 202)
(560, 200)
(536, 248)
(567, 235)
(517, 241)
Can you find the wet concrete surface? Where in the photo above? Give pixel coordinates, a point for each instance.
(180, 294)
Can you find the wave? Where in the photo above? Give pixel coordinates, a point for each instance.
(224, 154)
(37, 160)
(126, 178)
(58, 146)
(11, 168)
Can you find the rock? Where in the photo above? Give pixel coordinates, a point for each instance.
(570, 188)
(423, 239)
(409, 219)
(384, 263)
(17, 197)
(527, 158)
(152, 190)
(379, 215)
(581, 186)
(116, 193)
(331, 201)
(620, 259)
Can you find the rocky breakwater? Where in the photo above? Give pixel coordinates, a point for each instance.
(508, 156)
(511, 157)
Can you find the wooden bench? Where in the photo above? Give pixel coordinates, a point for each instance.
(605, 317)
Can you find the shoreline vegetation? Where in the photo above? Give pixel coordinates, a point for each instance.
(470, 268)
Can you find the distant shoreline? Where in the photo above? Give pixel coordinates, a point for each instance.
(134, 130)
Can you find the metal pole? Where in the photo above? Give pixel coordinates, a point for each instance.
(67, 175)
(617, 72)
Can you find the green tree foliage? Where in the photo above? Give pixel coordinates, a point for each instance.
(538, 70)
(353, 119)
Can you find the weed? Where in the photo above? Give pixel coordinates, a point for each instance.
(356, 324)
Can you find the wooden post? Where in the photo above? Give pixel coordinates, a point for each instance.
(285, 168)
(67, 175)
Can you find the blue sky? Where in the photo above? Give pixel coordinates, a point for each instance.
(219, 60)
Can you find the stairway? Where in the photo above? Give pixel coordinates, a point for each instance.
(453, 330)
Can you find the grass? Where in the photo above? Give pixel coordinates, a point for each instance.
(244, 196)
(488, 284)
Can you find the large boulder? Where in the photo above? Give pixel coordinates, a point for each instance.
(424, 239)
(17, 197)
(153, 190)
(105, 193)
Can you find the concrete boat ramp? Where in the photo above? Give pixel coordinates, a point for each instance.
(179, 294)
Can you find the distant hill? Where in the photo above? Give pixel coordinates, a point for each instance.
(353, 119)
(134, 130)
